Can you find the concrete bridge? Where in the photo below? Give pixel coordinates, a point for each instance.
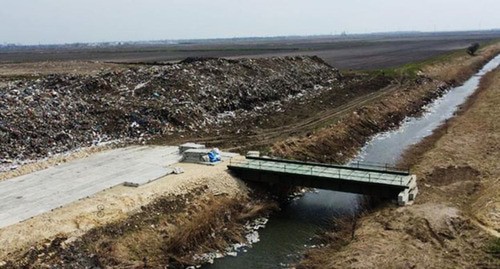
(365, 179)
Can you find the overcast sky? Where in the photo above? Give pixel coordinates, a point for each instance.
(68, 21)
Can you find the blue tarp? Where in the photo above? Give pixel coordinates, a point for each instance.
(213, 156)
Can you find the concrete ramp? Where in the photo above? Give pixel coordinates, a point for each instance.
(27, 196)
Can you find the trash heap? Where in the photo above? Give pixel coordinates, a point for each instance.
(58, 113)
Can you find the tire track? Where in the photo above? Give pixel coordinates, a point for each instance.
(271, 135)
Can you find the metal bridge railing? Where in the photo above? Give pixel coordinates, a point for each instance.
(379, 166)
(329, 172)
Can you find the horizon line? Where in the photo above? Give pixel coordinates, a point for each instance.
(180, 41)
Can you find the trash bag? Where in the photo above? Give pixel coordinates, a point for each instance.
(214, 156)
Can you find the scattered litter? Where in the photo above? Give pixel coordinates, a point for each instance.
(131, 184)
(178, 170)
(252, 236)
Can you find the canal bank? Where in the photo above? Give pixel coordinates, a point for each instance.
(291, 231)
(454, 223)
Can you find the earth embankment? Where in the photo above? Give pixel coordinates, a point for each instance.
(454, 223)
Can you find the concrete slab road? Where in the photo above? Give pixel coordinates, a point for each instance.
(26, 196)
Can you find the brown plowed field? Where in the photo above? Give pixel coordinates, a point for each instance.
(348, 52)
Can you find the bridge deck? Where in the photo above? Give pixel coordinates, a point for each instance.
(333, 172)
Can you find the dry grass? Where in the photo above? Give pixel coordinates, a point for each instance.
(251, 210)
(415, 153)
(459, 66)
(216, 224)
(168, 231)
(205, 226)
(459, 181)
(209, 224)
(343, 232)
(208, 229)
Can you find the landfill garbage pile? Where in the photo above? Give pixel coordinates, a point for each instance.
(58, 113)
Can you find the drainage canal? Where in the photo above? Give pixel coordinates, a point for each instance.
(289, 231)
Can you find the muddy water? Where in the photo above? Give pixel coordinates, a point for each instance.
(288, 232)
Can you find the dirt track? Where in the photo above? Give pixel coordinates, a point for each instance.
(271, 135)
